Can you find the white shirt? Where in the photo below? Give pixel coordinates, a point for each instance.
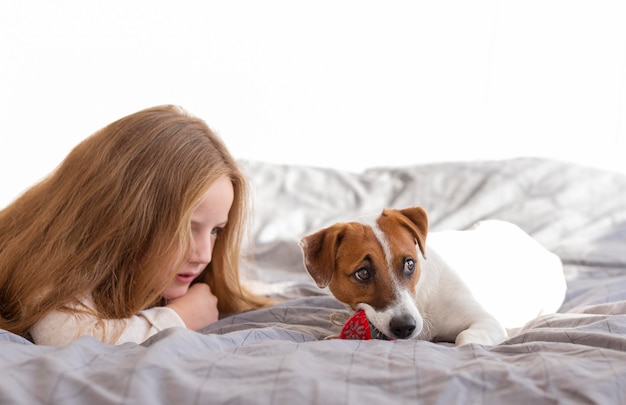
(59, 328)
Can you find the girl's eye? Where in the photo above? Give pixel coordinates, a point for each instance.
(409, 267)
(362, 274)
(216, 231)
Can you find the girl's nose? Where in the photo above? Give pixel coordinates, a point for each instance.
(202, 250)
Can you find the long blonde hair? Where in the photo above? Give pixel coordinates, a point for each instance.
(113, 214)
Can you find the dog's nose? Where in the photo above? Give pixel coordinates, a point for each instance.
(402, 326)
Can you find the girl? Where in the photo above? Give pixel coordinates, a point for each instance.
(139, 229)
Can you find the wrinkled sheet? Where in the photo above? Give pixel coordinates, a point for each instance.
(281, 354)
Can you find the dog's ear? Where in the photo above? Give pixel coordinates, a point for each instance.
(418, 225)
(319, 250)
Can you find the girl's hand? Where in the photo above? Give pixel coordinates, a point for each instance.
(197, 308)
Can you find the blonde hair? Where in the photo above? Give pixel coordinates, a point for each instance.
(110, 218)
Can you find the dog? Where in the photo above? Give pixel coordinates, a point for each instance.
(471, 286)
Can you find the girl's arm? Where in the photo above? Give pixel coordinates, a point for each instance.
(60, 328)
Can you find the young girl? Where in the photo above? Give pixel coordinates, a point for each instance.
(139, 229)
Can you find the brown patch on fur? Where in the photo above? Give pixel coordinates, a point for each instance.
(405, 229)
(333, 255)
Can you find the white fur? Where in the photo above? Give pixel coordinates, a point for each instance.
(474, 284)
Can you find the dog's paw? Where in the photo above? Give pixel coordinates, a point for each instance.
(358, 327)
(479, 336)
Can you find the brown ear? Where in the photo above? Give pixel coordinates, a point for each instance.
(319, 250)
(418, 224)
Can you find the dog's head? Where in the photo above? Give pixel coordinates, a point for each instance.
(373, 265)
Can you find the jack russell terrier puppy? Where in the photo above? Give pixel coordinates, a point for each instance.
(454, 286)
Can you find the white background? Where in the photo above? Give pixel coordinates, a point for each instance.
(345, 84)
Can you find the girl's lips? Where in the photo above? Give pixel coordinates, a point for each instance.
(186, 278)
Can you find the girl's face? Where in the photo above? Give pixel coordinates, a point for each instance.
(207, 220)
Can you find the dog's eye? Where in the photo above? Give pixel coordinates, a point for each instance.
(409, 266)
(362, 274)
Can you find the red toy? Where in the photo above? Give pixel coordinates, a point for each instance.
(358, 327)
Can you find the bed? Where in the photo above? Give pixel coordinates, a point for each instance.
(281, 355)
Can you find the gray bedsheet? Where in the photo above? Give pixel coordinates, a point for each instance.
(280, 355)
